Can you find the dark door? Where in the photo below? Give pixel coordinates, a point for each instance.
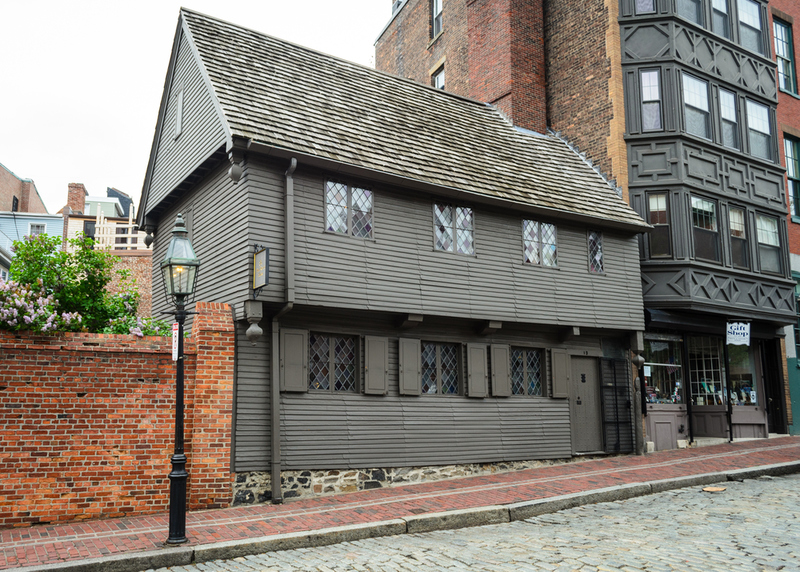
(585, 406)
(773, 385)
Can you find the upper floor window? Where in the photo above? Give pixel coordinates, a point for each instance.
(787, 78)
(759, 132)
(730, 124)
(436, 16)
(539, 243)
(695, 106)
(720, 18)
(438, 78)
(348, 210)
(651, 100)
(750, 25)
(645, 6)
(706, 230)
(738, 228)
(691, 10)
(14, 204)
(453, 229)
(596, 262)
(440, 368)
(658, 211)
(527, 368)
(35, 229)
(332, 363)
(769, 244)
(792, 149)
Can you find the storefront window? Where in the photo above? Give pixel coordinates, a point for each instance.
(663, 374)
(706, 370)
(742, 366)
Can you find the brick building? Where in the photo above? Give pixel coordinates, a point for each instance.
(675, 103)
(18, 194)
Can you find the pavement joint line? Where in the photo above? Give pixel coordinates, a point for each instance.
(407, 497)
(307, 539)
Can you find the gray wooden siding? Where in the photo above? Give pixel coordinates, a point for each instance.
(399, 271)
(252, 430)
(202, 131)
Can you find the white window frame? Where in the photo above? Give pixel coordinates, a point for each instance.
(438, 78)
(43, 230)
(437, 23)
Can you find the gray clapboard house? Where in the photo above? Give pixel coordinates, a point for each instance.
(443, 288)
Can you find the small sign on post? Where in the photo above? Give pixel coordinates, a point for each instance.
(738, 333)
(260, 269)
(175, 341)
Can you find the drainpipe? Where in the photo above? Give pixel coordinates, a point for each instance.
(275, 390)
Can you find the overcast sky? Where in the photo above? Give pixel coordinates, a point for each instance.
(81, 80)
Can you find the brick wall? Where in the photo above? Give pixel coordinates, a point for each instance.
(88, 422)
(140, 265)
(24, 189)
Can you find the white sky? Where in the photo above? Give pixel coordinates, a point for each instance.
(81, 80)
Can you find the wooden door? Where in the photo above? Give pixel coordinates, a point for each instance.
(585, 406)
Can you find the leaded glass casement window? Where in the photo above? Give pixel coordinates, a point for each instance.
(769, 244)
(645, 6)
(791, 148)
(706, 230)
(658, 211)
(651, 100)
(596, 262)
(784, 51)
(348, 210)
(730, 122)
(440, 368)
(539, 243)
(527, 372)
(759, 131)
(720, 18)
(453, 229)
(436, 17)
(695, 106)
(332, 363)
(750, 25)
(738, 228)
(438, 78)
(691, 10)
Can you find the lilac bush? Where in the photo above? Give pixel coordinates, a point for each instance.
(29, 307)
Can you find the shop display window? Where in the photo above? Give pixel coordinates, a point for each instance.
(662, 371)
(742, 368)
(706, 370)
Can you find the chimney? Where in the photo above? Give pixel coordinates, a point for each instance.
(76, 197)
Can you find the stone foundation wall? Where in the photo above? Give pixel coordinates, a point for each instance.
(255, 487)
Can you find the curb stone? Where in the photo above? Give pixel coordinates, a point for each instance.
(187, 555)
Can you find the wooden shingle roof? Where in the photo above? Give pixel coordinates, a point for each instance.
(285, 96)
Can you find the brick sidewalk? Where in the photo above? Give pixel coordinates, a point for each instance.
(42, 545)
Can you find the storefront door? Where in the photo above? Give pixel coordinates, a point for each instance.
(707, 385)
(748, 410)
(665, 392)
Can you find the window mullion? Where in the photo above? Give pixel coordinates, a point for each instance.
(331, 363)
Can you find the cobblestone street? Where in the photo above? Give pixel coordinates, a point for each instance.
(752, 525)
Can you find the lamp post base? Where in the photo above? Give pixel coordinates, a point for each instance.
(177, 500)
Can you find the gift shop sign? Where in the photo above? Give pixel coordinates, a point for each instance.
(739, 333)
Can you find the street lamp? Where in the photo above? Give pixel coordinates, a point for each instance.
(180, 273)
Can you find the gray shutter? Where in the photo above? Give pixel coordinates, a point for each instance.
(560, 372)
(376, 365)
(477, 372)
(294, 360)
(410, 367)
(501, 375)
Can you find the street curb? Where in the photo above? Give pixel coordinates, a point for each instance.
(186, 555)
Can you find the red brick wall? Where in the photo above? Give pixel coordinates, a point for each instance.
(88, 424)
(25, 190)
(140, 264)
(405, 47)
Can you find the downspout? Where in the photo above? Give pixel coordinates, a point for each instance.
(275, 413)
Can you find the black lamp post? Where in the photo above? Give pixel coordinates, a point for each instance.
(180, 273)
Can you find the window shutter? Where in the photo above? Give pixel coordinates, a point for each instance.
(294, 360)
(376, 365)
(560, 372)
(501, 377)
(410, 367)
(477, 372)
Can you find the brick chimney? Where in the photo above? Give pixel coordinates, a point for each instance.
(76, 197)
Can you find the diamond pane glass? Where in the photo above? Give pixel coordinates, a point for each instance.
(534, 373)
(517, 372)
(530, 240)
(336, 207)
(344, 358)
(595, 252)
(449, 364)
(443, 223)
(318, 362)
(428, 368)
(549, 250)
(362, 212)
(464, 230)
